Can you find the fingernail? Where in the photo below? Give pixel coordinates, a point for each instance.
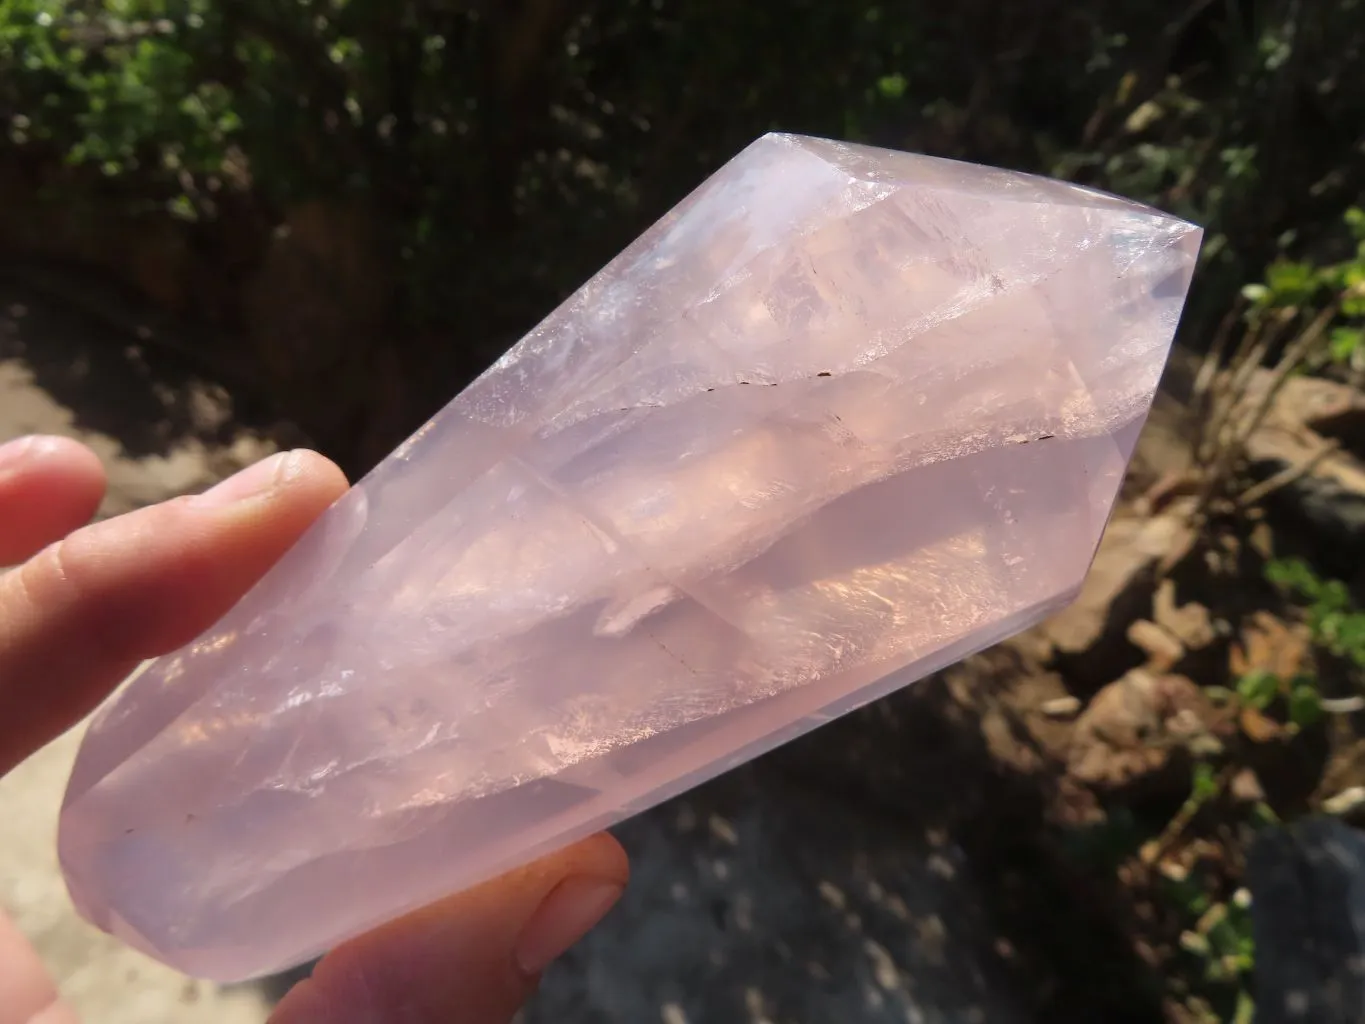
(14, 454)
(573, 907)
(257, 479)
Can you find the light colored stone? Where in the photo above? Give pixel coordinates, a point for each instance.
(1161, 647)
(1061, 707)
(1330, 499)
(1131, 727)
(1346, 802)
(1190, 623)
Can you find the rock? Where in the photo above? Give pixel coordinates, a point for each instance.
(1061, 707)
(1268, 644)
(1109, 746)
(1329, 501)
(1315, 402)
(1132, 727)
(1308, 923)
(1345, 802)
(1190, 624)
(1125, 712)
(1163, 649)
(1246, 788)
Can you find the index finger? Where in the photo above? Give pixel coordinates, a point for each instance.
(49, 486)
(79, 616)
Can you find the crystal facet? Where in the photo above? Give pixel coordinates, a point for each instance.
(841, 418)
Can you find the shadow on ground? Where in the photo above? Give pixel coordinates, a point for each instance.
(114, 382)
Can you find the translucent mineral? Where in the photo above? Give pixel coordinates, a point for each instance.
(841, 418)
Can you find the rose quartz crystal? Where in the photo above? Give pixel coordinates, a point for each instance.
(841, 418)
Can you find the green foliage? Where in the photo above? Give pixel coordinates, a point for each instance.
(1258, 689)
(1203, 784)
(1221, 937)
(1305, 703)
(1336, 623)
(1346, 344)
(1217, 929)
(542, 136)
(1302, 699)
(1304, 288)
(115, 86)
(1216, 926)
(1218, 938)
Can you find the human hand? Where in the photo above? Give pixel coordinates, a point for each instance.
(85, 607)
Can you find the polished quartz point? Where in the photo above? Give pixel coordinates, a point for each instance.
(839, 419)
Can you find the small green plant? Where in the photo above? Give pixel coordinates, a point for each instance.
(1258, 689)
(1301, 698)
(1216, 924)
(1336, 623)
(1302, 317)
(1216, 934)
(1296, 285)
(1221, 933)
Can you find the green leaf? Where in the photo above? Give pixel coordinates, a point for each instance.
(1258, 689)
(1335, 594)
(1291, 283)
(1305, 705)
(1355, 220)
(893, 87)
(1345, 342)
(1293, 574)
(1203, 783)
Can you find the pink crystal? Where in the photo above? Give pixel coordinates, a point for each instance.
(841, 418)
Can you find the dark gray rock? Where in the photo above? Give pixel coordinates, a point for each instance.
(1308, 912)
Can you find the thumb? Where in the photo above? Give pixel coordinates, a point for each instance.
(474, 957)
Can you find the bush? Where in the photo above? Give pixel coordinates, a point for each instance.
(509, 148)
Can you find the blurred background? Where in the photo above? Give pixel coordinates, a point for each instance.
(228, 227)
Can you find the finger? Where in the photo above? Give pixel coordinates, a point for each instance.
(27, 994)
(474, 957)
(49, 486)
(79, 616)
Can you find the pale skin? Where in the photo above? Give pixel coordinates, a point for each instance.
(86, 603)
